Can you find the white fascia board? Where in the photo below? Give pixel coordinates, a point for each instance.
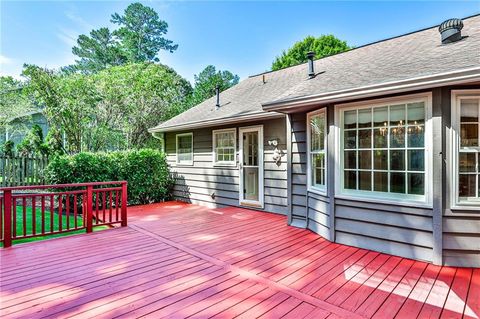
(419, 83)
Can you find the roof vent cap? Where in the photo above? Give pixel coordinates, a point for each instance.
(311, 71)
(451, 30)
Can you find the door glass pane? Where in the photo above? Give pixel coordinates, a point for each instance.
(380, 138)
(365, 138)
(397, 137)
(365, 159)
(350, 159)
(350, 180)
(416, 160)
(416, 136)
(350, 139)
(250, 182)
(250, 149)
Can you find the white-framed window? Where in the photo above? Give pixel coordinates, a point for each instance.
(185, 149)
(225, 147)
(316, 144)
(384, 149)
(466, 148)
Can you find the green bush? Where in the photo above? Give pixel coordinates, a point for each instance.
(146, 171)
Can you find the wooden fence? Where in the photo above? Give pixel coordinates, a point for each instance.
(33, 211)
(22, 170)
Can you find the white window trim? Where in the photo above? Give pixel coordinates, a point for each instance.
(312, 188)
(456, 95)
(190, 163)
(261, 185)
(383, 197)
(214, 153)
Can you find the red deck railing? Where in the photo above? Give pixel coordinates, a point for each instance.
(32, 211)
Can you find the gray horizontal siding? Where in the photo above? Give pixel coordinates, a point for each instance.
(299, 166)
(217, 186)
(461, 240)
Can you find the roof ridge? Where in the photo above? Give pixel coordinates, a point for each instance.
(359, 47)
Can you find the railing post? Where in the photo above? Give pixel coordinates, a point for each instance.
(89, 209)
(124, 204)
(7, 218)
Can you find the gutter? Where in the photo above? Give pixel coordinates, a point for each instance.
(424, 82)
(216, 122)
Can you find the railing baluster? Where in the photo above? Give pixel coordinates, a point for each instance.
(7, 217)
(24, 215)
(75, 223)
(104, 202)
(89, 209)
(34, 219)
(116, 205)
(67, 210)
(124, 204)
(60, 210)
(14, 217)
(52, 205)
(96, 205)
(110, 206)
(43, 215)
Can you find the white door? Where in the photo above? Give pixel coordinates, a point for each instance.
(251, 166)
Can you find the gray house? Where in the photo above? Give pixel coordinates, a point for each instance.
(377, 147)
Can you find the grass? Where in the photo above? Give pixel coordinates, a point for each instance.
(38, 225)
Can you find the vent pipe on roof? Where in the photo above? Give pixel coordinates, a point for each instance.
(451, 30)
(217, 92)
(311, 71)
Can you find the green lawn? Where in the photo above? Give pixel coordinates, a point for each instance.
(38, 225)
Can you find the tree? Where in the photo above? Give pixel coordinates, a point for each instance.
(111, 109)
(208, 79)
(69, 101)
(14, 102)
(323, 46)
(98, 51)
(136, 97)
(141, 33)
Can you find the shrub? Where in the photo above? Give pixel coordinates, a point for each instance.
(146, 171)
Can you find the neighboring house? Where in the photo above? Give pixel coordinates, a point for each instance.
(377, 147)
(19, 126)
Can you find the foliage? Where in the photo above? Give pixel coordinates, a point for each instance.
(13, 101)
(136, 97)
(33, 143)
(98, 51)
(146, 172)
(69, 103)
(323, 46)
(7, 148)
(141, 33)
(208, 79)
(138, 38)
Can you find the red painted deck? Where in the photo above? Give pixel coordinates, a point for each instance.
(177, 261)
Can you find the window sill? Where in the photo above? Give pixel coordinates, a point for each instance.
(321, 192)
(466, 206)
(231, 165)
(389, 201)
(184, 164)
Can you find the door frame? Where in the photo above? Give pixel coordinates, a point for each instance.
(241, 200)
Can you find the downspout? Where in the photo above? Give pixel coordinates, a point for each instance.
(161, 138)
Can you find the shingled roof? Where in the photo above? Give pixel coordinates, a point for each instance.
(401, 60)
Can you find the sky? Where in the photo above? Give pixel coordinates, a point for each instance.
(242, 37)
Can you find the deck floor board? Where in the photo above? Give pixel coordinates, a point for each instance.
(177, 260)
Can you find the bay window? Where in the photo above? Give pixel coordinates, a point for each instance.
(383, 150)
(466, 124)
(316, 137)
(224, 147)
(185, 149)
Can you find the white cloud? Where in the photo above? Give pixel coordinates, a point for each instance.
(5, 60)
(68, 36)
(79, 21)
